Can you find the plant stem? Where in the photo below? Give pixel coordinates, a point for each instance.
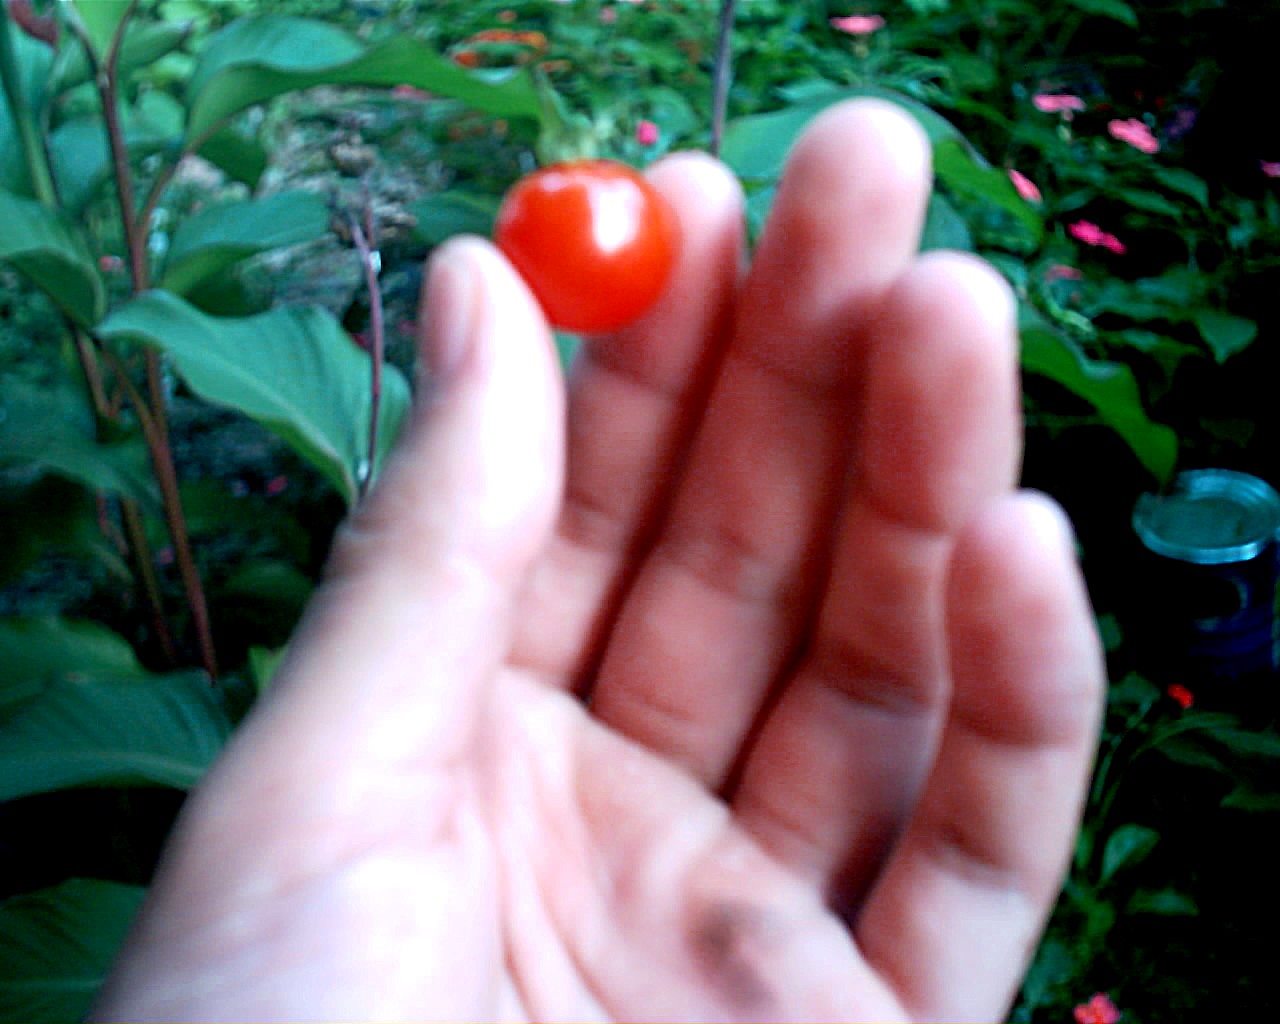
(32, 149)
(167, 478)
(722, 75)
(151, 414)
(370, 259)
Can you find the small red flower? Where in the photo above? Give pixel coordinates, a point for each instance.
(276, 485)
(858, 24)
(646, 133)
(1025, 186)
(1181, 695)
(1135, 133)
(1057, 103)
(1098, 1010)
(1089, 233)
(1062, 272)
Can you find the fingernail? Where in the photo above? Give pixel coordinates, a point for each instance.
(450, 303)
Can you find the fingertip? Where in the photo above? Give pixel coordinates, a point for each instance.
(875, 126)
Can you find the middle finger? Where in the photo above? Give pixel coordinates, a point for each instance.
(723, 599)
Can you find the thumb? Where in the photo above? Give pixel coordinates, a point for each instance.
(416, 609)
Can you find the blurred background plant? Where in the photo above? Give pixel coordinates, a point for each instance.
(181, 180)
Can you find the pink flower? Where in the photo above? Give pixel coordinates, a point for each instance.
(858, 24)
(1089, 233)
(1134, 132)
(1271, 168)
(1025, 186)
(1062, 272)
(1057, 103)
(110, 264)
(1098, 1010)
(276, 485)
(608, 15)
(646, 133)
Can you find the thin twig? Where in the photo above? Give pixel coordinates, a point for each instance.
(723, 74)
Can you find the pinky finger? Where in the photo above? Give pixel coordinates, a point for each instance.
(954, 919)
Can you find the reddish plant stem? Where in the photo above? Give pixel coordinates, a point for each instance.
(152, 414)
(370, 259)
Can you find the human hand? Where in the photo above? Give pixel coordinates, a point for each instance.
(747, 687)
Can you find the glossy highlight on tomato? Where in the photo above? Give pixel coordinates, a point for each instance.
(594, 241)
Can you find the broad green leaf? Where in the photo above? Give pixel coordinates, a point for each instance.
(1126, 846)
(756, 147)
(105, 730)
(257, 58)
(1183, 182)
(1109, 387)
(295, 370)
(34, 60)
(217, 237)
(1116, 9)
(144, 44)
(49, 250)
(101, 19)
(240, 157)
(453, 212)
(48, 431)
(81, 156)
(967, 175)
(1150, 202)
(46, 649)
(1224, 333)
(944, 228)
(57, 946)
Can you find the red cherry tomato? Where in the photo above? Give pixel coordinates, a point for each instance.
(593, 239)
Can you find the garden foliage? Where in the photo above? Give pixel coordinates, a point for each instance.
(145, 200)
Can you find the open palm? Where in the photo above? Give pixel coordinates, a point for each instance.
(743, 685)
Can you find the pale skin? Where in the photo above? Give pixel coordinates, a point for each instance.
(734, 679)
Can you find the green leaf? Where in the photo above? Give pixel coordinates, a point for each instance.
(453, 212)
(967, 175)
(263, 665)
(42, 649)
(81, 156)
(1116, 9)
(101, 18)
(756, 146)
(1166, 902)
(57, 946)
(219, 236)
(48, 249)
(241, 158)
(295, 370)
(144, 44)
(1149, 202)
(1224, 333)
(105, 730)
(51, 431)
(1109, 387)
(257, 58)
(1183, 182)
(944, 228)
(1125, 847)
(34, 60)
